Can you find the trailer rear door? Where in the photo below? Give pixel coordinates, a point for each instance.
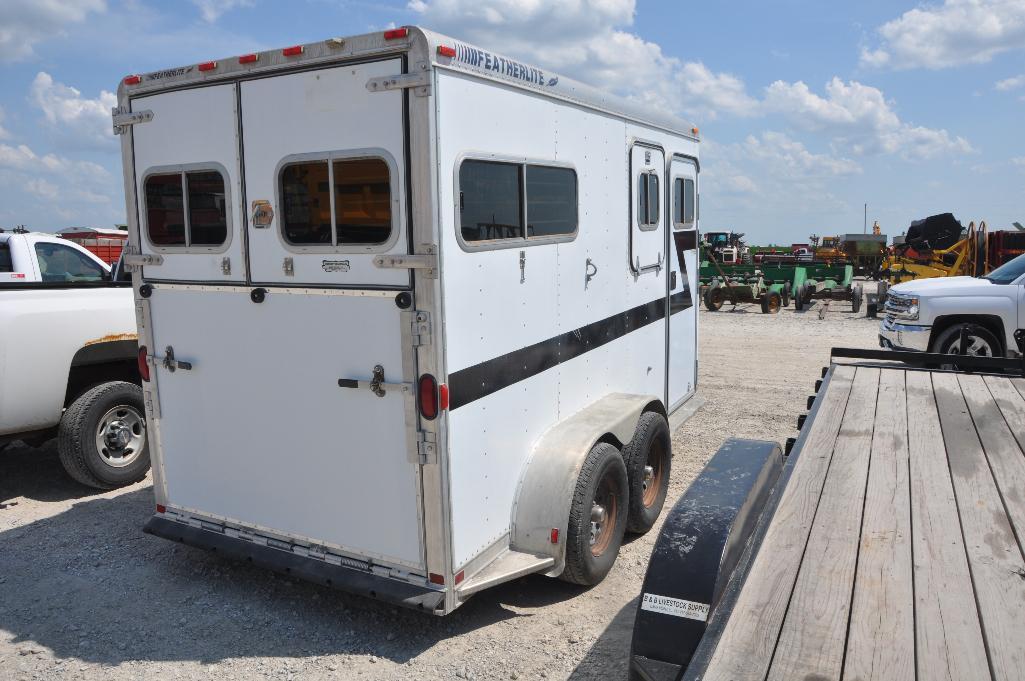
(325, 184)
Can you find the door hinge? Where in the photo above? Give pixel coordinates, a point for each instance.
(123, 118)
(421, 329)
(225, 265)
(422, 261)
(420, 82)
(133, 260)
(426, 447)
(288, 267)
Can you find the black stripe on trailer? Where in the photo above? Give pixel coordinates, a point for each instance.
(472, 383)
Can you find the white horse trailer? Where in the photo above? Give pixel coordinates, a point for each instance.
(415, 315)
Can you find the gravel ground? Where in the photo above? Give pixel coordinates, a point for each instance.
(85, 595)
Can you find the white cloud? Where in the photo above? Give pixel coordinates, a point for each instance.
(954, 33)
(1012, 83)
(86, 119)
(22, 158)
(859, 117)
(25, 23)
(211, 10)
(586, 39)
(1019, 161)
(3, 131)
(794, 159)
(41, 188)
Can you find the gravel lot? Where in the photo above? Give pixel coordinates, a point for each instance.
(85, 595)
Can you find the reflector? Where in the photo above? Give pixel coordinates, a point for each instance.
(143, 364)
(394, 33)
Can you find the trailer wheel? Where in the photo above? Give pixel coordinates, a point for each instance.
(102, 436)
(597, 517)
(648, 458)
(714, 299)
(785, 295)
(770, 302)
(856, 296)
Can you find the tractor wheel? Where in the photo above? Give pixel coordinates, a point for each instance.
(714, 299)
(771, 302)
(856, 296)
(785, 295)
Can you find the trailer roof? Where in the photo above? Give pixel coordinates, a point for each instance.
(439, 50)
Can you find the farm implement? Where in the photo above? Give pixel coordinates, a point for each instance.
(826, 282)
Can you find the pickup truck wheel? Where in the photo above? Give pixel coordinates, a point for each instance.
(648, 458)
(102, 438)
(980, 341)
(597, 517)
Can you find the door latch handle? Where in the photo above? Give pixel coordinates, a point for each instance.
(377, 384)
(656, 267)
(170, 363)
(590, 272)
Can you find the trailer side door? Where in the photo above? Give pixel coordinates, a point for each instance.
(683, 268)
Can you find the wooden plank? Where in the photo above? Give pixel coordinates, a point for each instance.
(1011, 403)
(749, 636)
(1006, 459)
(948, 635)
(995, 561)
(881, 642)
(811, 643)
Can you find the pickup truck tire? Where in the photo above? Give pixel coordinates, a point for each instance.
(981, 341)
(102, 436)
(648, 457)
(597, 516)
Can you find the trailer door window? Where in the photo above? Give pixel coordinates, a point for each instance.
(357, 211)
(490, 201)
(187, 208)
(551, 201)
(683, 203)
(647, 201)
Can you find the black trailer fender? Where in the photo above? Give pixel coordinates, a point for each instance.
(695, 555)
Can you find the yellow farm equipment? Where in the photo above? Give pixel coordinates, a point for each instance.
(937, 246)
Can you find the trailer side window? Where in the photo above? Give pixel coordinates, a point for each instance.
(647, 201)
(186, 208)
(683, 203)
(551, 201)
(356, 211)
(490, 200)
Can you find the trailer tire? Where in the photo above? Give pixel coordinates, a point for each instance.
(785, 295)
(714, 299)
(771, 302)
(102, 436)
(856, 296)
(601, 497)
(648, 458)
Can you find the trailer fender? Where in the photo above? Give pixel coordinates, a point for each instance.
(545, 490)
(695, 554)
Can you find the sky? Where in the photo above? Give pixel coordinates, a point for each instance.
(807, 110)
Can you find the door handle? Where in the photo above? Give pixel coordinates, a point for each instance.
(169, 362)
(590, 272)
(654, 267)
(377, 384)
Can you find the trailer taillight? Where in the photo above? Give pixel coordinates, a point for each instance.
(133, 80)
(143, 364)
(446, 51)
(428, 392)
(395, 33)
(248, 58)
(207, 66)
(443, 397)
(161, 508)
(293, 51)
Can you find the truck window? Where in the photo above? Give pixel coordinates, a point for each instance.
(551, 201)
(58, 262)
(647, 201)
(357, 211)
(6, 263)
(683, 203)
(168, 223)
(497, 198)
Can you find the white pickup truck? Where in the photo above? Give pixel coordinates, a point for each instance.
(68, 359)
(936, 315)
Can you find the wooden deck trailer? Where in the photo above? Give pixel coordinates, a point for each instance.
(886, 545)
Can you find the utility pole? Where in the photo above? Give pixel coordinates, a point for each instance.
(864, 227)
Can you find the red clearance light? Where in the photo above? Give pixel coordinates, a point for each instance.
(143, 364)
(446, 51)
(436, 578)
(161, 508)
(133, 80)
(292, 51)
(443, 397)
(248, 58)
(396, 33)
(428, 391)
(555, 535)
(459, 577)
(207, 66)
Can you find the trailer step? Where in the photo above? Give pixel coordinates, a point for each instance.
(506, 567)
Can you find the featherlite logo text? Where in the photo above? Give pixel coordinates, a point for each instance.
(487, 61)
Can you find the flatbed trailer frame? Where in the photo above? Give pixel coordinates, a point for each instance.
(888, 546)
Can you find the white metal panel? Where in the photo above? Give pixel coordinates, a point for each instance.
(259, 431)
(683, 323)
(316, 114)
(191, 129)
